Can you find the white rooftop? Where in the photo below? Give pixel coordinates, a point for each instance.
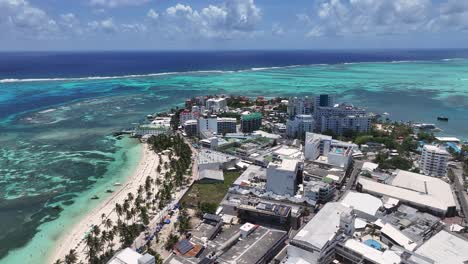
(448, 139)
(126, 256)
(411, 187)
(323, 226)
(211, 174)
(369, 166)
(362, 202)
(374, 255)
(398, 237)
(436, 149)
(286, 165)
(287, 151)
(445, 248)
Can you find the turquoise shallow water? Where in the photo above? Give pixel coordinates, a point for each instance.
(54, 135)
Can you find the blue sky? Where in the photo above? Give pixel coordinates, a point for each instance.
(232, 24)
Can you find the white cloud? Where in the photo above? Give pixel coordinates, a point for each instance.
(106, 25)
(21, 17)
(153, 15)
(227, 20)
(117, 3)
(351, 17)
(277, 29)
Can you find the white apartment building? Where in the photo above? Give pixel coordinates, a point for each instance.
(297, 127)
(216, 104)
(281, 177)
(208, 125)
(433, 161)
(324, 149)
(341, 118)
(300, 106)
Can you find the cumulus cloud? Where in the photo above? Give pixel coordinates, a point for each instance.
(232, 18)
(153, 15)
(117, 3)
(347, 17)
(106, 25)
(22, 17)
(453, 16)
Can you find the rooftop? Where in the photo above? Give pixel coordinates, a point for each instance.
(445, 248)
(318, 231)
(285, 165)
(436, 149)
(362, 202)
(421, 190)
(448, 139)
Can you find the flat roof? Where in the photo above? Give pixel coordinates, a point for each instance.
(286, 165)
(411, 187)
(448, 139)
(377, 256)
(362, 202)
(445, 248)
(126, 256)
(318, 231)
(369, 166)
(253, 171)
(436, 149)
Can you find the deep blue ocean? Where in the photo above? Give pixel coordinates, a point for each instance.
(23, 65)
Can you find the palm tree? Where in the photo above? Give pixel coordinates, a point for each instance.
(71, 257)
(108, 223)
(118, 210)
(58, 261)
(130, 196)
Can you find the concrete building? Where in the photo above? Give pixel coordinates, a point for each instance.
(324, 100)
(341, 119)
(300, 106)
(281, 177)
(251, 122)
(299, 125)
(319, 191)
(226, 125)
(216, 104)
(433, 161)
(186, 115)
(423, 192)
(191, 128)
(323, 149)
(207, 126)
(128, 256)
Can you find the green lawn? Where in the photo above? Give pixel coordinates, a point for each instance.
(209, 192)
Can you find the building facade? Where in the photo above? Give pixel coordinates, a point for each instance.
(299, 125)
(216, 104)
(433, 161)
(191, 128)
(281, 177)
(300, 106)
(251, 122)
(226, 125)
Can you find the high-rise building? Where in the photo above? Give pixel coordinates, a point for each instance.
(434, 160)
(227, 125)
(281, 177)
(341, 119)
(207, 126)
(251, 122)
(191, 128)
(216, 104)
(300, 106)
(299, 125)
(323, 100)
(334, 152)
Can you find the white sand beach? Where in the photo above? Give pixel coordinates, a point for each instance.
(74, 238)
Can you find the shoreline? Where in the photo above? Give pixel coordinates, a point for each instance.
(74, 238)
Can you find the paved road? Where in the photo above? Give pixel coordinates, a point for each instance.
(357, 166)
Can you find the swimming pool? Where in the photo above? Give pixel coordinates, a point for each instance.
(373, 244)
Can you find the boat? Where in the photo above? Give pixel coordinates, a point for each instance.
(442, 118)
(109, 191)
(95, 197)
(117, 184)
